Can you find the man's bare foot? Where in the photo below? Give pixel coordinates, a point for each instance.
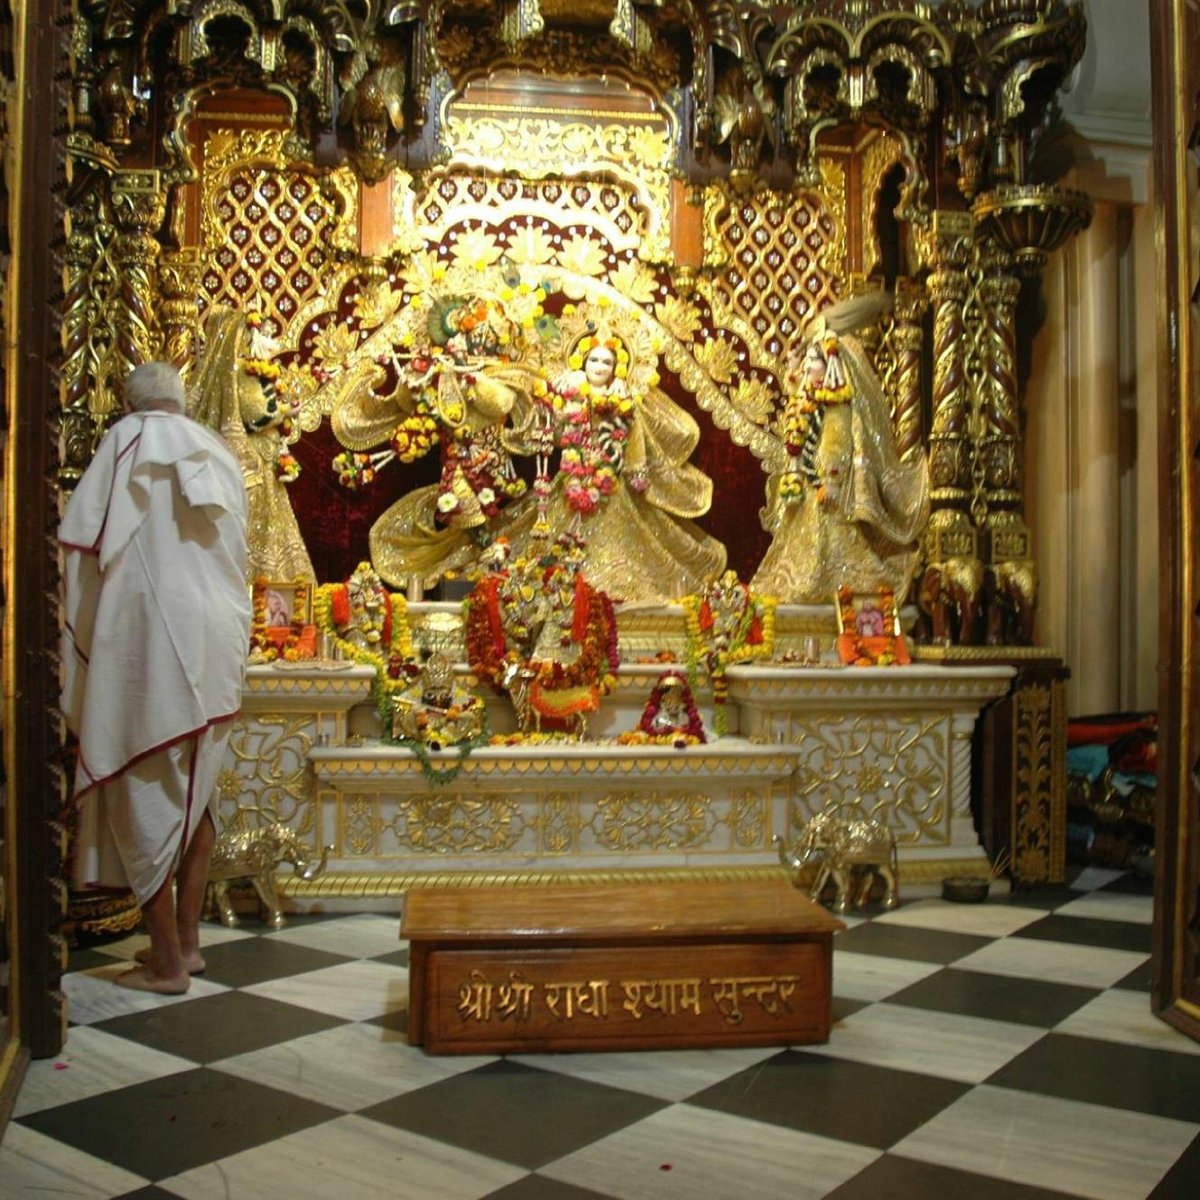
(141, 979)
(194, 963)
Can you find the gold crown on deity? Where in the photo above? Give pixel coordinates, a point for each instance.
(626, 331)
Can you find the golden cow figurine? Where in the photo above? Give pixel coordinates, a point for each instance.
(845, 848)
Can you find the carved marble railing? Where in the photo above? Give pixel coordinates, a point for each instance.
(895, 742)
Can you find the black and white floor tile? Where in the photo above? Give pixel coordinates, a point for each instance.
(1003, 1050)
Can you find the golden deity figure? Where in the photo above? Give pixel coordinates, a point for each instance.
(234, 392)
(623, 484)
(451, 377)
(846, 513)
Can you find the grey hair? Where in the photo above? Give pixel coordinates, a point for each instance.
(155, 385)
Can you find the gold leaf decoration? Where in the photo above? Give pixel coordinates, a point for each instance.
(753, 398)
(375, 303)
(476, 248)
(635, 281)
(422, 270)
(679, 317)
(530, 246)
(718, 358)
(583, 255)
(335, 343)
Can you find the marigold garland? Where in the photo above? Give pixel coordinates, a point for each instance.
(263, 647)
(332, 615)
(752, 638)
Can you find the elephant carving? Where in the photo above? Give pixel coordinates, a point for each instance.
(1010, 602)
(949, 595)
(254, 854)
(845, 848)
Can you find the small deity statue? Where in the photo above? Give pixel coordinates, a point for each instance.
(846, 512)
(623, 484)
(456, 374)
(233, 393)
(537, 630)
(436, 711)
(669, 717)
(727, 624)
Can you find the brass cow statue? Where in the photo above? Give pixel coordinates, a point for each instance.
(845, 848)
(254, 854)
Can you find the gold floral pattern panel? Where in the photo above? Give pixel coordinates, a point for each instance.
(774, 259)
(892, 768)
(579, 825)
(272, 230)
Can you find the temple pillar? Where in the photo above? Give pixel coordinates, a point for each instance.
(1095, 519)
(139, 205)
(911, 303)
(951, 541)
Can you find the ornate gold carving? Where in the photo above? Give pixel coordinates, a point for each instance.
(271, 228)
(1039, 797)
(892, 769)
(781, 254)
(179, 282)
(881, 153)
(138, 206)
(635, 151)
(271, 771)
(452, 823)
(392, 884)
(581, 824)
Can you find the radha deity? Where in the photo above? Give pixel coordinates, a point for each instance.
(847, 512)
(623, 484)
(234, 393)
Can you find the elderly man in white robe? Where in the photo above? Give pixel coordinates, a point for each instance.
(154, 647)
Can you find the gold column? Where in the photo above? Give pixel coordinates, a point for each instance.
(999, 445)
(950, 531)
(179, 281)
(82, 311)
(908, 335)
(139, 205)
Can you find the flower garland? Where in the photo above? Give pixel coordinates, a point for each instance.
(857, 649)
(264, 647)
(281, 411)
(648, 734)
(801, 424)
(388, 651)
(557, 690)
(726, 625)
(590, 427)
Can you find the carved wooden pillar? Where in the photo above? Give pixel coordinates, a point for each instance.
(908, 336)
(950, 531)
(179, 282)
(1000, 439)
(139, 205)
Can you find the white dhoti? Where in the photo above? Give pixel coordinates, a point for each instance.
(155, 640)
(133, 830)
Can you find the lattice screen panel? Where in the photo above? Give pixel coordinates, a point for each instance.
(782, 257)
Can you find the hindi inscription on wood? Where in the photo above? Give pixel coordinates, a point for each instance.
(617, 967)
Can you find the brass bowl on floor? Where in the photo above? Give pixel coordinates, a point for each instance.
(966, 889)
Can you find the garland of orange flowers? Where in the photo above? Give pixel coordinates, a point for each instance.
(263, 647)
(859, 650)
(753, 638)
(332, 615)
(590, 677)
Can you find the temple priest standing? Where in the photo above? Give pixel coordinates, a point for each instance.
(154, 648)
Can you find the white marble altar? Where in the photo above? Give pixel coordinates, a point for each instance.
(896, 741)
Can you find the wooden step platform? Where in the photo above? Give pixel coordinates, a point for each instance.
(617, 967)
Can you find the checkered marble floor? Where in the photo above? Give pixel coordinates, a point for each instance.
(982, 1051)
